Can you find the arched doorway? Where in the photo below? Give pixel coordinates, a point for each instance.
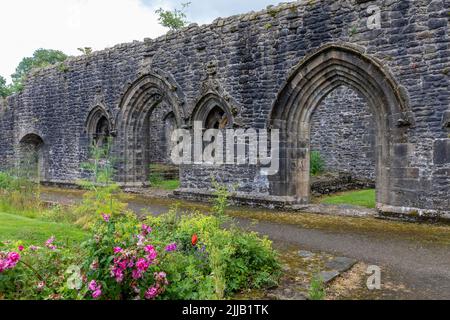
(135, 148)
(342, 141)
(32, 159)
(98, 126)
(213, 112)
(314, 79)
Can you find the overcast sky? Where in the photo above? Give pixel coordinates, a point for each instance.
(26, 25)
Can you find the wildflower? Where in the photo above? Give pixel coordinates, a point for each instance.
(97, 294)
(117, 250)
(94, 265)
(93, 285)
(171, 247)
(146, 230)
(152, 254)
(194, 240)
(13, 257)
(21, 248)
(142, 265)
(40, 286)
(49, 243)
(136, 274)
(106, 217)
(95, 288)
(151, 293)
(141, 240)
(34, 248)
(161, 278)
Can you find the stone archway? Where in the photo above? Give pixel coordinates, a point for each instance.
(98, 126)
(32, 157)
(313, 79)
(133, 145)
(213, 112)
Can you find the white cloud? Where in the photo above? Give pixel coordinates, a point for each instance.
(27, 25)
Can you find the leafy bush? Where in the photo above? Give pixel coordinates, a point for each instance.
(317, 163)
(226, 260)
(39, 272)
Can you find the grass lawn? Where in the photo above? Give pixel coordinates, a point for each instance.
(168, 185)
(33, 231)
(364, 198)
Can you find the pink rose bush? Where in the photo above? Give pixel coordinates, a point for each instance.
(8, 260)
(125, 264)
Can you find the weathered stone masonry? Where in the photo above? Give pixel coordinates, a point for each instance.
(266, 69)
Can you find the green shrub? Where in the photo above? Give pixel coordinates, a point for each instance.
(227, 260)
(40, 273)
(317, 163)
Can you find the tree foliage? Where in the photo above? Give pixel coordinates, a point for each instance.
(86, 50)
(41, 58)
(173, 19)
(4, 88)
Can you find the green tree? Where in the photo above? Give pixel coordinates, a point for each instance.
(86, 50)
(41, 58)
(175, 19)
(4, 88)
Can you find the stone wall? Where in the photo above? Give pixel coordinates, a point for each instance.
(343, 132)
(250, 62)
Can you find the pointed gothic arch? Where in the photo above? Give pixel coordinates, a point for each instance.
(312, 80)
(139, 100)
(213, 112)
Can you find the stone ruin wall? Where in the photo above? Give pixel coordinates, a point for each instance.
(248, 59)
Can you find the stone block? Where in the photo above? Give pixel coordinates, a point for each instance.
(441, 151)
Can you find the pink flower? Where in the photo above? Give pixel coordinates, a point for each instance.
(93, 285)
(149, 249)
(171, 247)
(152, 254)
(13, 257)
(117, 273)
(21, 248)
(151, 293)
(136, 274)
(117, 250)
(106, 217)
(146, 229)
(49, 243)
(142, 265)
(97, 294)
